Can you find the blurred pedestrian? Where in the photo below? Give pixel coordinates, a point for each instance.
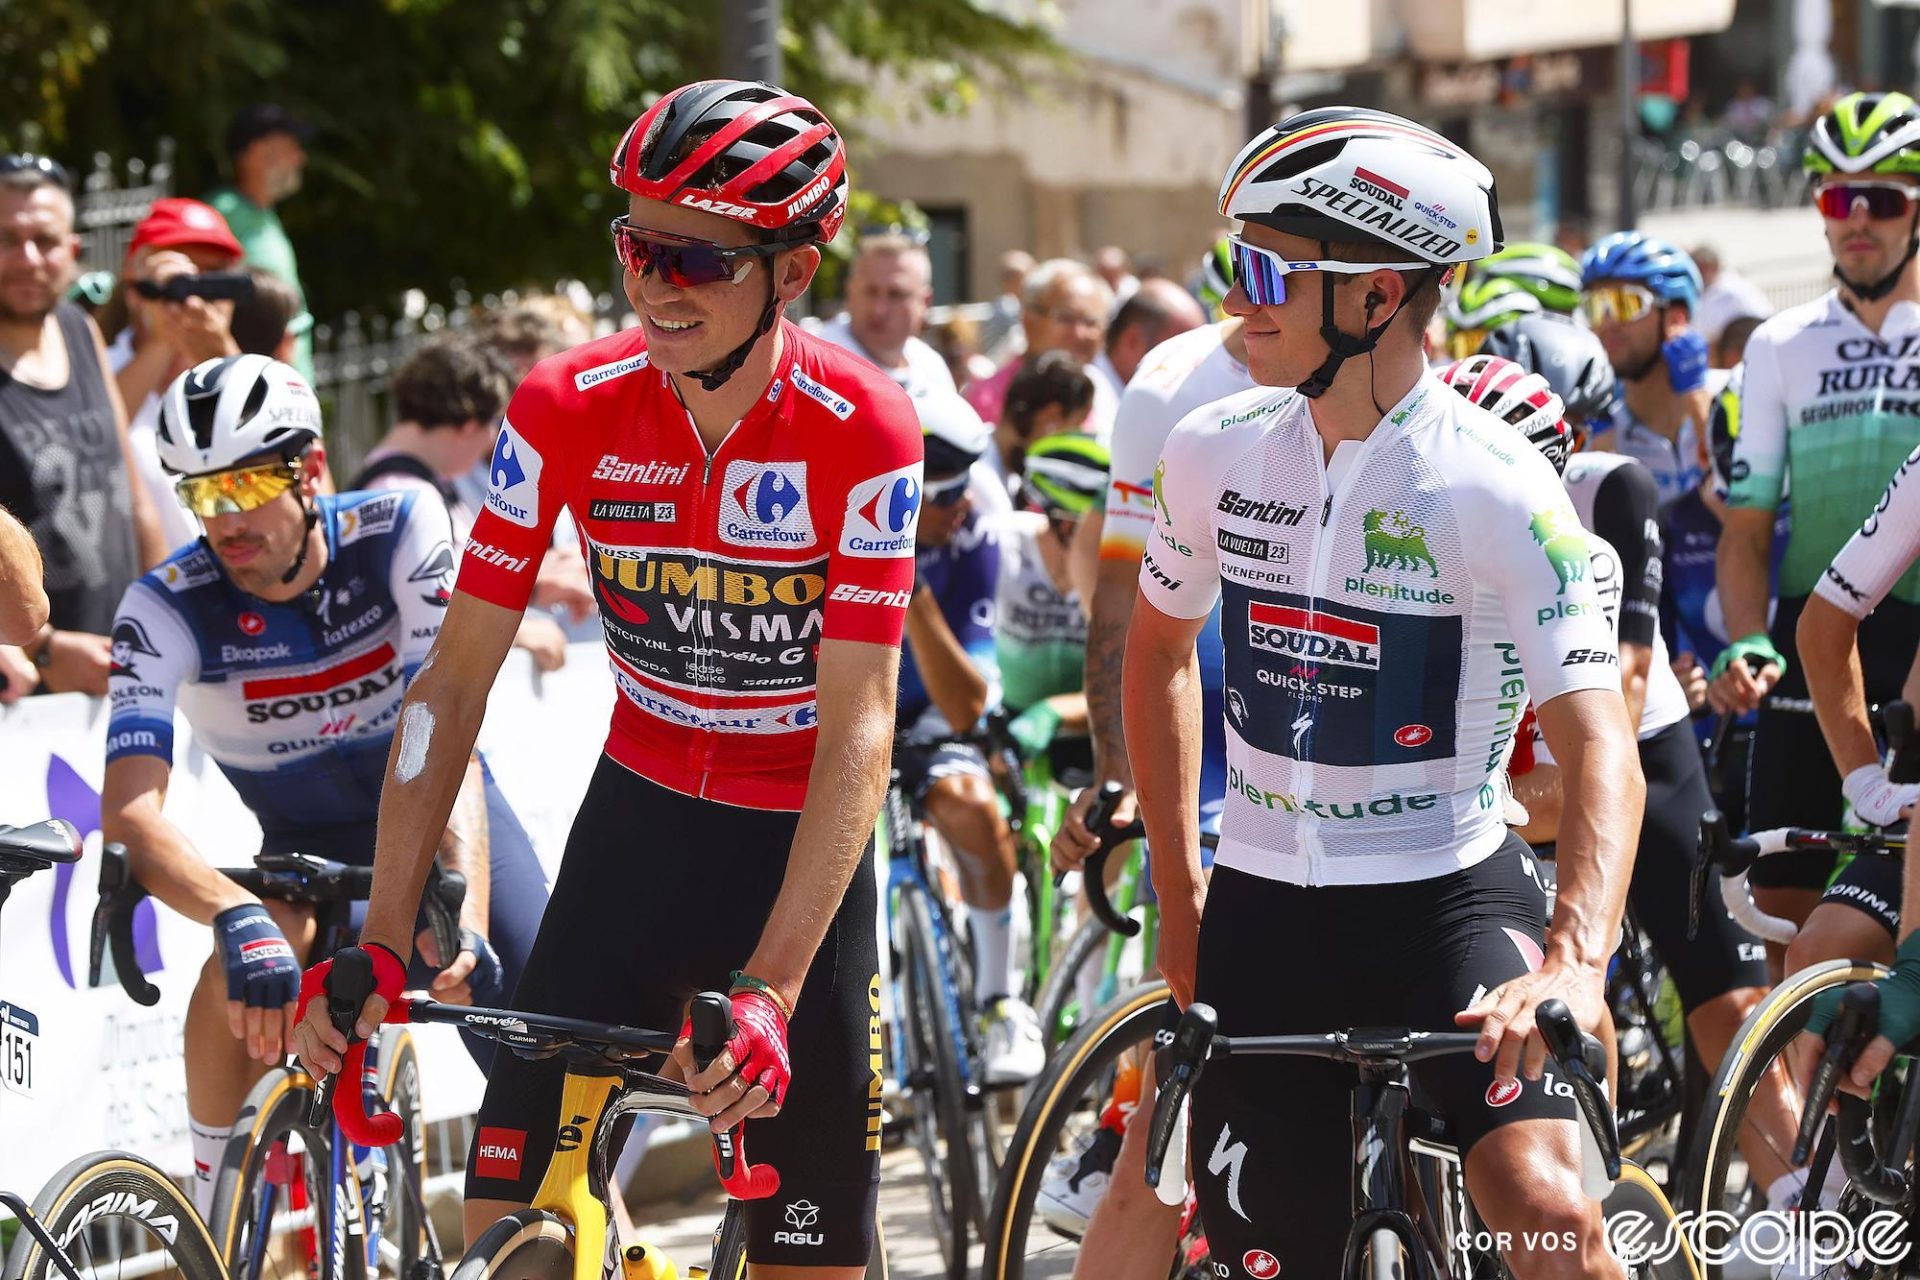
(889, 288)
(1064, 307)
(1000, 335)
(1726, 296)
(266, 146)
(64, 470)
(1111, 264)
(264, 320)
(164, 338)
(1051, 393)
(1156, 311)
(527, 331)
(1749, 114)
(1731, 349)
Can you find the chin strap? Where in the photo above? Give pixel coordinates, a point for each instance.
(1885, 284)
(306, 543)
(715, 378)
(1342, 347)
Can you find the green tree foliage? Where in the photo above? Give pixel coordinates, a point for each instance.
(459, 139)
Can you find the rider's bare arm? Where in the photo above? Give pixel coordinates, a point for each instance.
(1742, 569)
(159, 854)
(1605, 795)
(855, 687)
(428, 763)
(1830, 656)
(23, 596)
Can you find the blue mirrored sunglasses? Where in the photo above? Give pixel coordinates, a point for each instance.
(1262, 273)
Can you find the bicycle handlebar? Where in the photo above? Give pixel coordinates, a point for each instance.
(1853, 1027)
(287, 877)
(1196, 1039)
(1733, 857)
(1100, 822)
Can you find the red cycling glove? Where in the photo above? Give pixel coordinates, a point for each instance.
(759, 1049)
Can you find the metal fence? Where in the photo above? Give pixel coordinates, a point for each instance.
(110, 202)
(1719, 170)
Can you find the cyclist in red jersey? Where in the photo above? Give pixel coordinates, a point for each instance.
(746, 497)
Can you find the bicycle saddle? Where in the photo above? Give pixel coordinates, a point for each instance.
(25, 850)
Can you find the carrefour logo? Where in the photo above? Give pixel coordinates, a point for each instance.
(764, 504)
(882, 514)
(514, 491)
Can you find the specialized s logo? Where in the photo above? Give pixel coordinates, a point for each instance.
(764, 504)
(514, 475)
(882, 514)
(129, 641)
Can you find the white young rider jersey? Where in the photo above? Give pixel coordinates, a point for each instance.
(1881, 551)
(1386, 617)
(1619, 504)
(1178, 376)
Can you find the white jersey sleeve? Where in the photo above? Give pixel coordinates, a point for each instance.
(1885, 547)
(421, 576)
(1543, 579)
(154, 654)
(1759, 470)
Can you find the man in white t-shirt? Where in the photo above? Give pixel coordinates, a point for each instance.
(889, 288)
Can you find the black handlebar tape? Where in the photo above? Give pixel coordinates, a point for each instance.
(1852, 1027)
(1099, 819)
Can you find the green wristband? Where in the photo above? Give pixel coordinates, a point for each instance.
(742, 981)
(1757, 646)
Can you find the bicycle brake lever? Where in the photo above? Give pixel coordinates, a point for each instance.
(1187, 1055)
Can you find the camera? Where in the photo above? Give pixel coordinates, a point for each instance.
(228, 285)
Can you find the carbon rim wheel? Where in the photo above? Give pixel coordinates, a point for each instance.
(270, 1195)
(403, 1231)
(527, 1245)
(111, 1213)
(1063, 1105)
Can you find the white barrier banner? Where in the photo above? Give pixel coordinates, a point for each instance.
(84, 1068)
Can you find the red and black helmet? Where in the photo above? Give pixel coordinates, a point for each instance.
(743, 149)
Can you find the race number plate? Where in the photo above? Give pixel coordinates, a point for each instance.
(19, 1049)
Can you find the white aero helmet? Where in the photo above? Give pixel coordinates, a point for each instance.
(234, 410)
(1351, 173)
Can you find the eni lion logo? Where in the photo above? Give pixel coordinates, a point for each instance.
(1565, 545)
(1395, 542)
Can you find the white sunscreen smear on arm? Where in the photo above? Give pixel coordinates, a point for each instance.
(416, 731)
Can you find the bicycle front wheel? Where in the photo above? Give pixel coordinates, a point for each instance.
(270, 1199)
(403, 1224)
(528, 1245)
(114, 1214)
(1637, 1198)
(1766, 1033)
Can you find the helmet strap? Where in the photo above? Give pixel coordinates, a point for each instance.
(306, 541)
(1341, 347)
(715, 378)
(1880, 288)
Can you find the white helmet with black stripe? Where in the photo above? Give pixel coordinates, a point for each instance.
(234, 410)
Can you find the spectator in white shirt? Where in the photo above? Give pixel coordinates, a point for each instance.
(1727, 296)
(889, 288)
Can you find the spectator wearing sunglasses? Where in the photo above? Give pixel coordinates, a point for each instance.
(1828, 411)
(1064, 307)
(889, 289)
(64, 470)
(1639, 295)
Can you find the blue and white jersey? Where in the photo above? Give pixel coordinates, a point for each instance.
(296, 702)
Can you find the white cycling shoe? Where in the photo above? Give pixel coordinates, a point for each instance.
(1015, 1051)
(1075, 1181)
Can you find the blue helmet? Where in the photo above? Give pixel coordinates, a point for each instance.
(1640, 259)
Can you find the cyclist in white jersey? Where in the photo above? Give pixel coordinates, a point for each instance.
(1829, 405)
(1399, 572)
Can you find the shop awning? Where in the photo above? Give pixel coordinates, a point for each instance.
(1474, 30)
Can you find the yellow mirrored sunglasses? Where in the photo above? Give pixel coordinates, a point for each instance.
(242, 489)
(1616, 303)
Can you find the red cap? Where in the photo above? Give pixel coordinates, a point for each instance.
(178, 221)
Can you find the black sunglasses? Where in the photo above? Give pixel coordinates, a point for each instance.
(27, 161)
(682, 261)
